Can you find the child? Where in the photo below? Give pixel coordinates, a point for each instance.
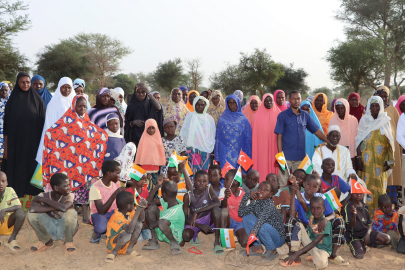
(299, 175)
(115, 141)
(201, 210)
(124, 226)
(386, 220)
(11, 214)
(358, 227)
(329, 180)
(263, 220)
(317, 243)
(102, 198)
(53, 217)
(183, 184)
(215, 178)
(230, 198)
(281, 199)
(252, 181)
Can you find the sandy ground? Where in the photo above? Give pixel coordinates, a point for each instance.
(91, 256)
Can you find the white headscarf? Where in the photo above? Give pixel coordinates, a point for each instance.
(368, 124)
(126, 160)
(198, 129)
(57, 107)
(110, 134)
(123, 104)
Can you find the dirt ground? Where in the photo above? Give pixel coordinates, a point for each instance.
(91, 256)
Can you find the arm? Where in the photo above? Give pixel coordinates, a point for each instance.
(244, 209)
(280, 143)
(186, 202)
(307, 248)
(224, 202)
(215, 202)
(302, 202)
(55, 205)
(9, 209)
(152, 193)
(103, 208)
(131, 227)
(323, 222)
(155, 103)
(189, 184)
(283, 212)
(359, 163)
(400, 229)
(321, 136)
(353, 220)
(317, 161)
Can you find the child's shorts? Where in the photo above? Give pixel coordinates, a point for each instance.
(205, 220)
(357, 245)
(177, 231)
(4, 229)
(236, 226)
(145, 235)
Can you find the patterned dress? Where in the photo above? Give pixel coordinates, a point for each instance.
(3, 102)
(177, 144)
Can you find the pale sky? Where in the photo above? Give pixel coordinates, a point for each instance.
(294, 31)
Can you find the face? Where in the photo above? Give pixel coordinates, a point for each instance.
(63, 188)
(121, 98)
(113, 125)
(300, 177)
(280, 99)
(216, 100)
(334, 137)
(151, 130)
(156, 96)
(205, 94)
(341, 110)
(319, 101)
(295, 100)
(10, 85)
(79, 91)
(141, 182)
(3, 92)
(191, 98)
(384, 97)
(176, 96)
(272, 179)
(214, 176)
(328, 166)
(386, 208)
(232, 105)
(81, 107)
(200, 106)
(38, 85)
(140, 94)
(24, 83)
(354, 102)
(402, 106)
(173, 175)
(312, 186)
(201, 182)
(306, 108)
(65, 90)
(184, 94)
(264, 191)
(375, 110)
(105, 99)
(115, 175)
(268, 102)
(252, 178)
(358, 197)
(111, 102)
(170, 128)
(3, 183)
(254, 105)
(317, 209)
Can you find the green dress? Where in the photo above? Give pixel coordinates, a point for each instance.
(375, 151)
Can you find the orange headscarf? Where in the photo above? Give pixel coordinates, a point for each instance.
(190, 106)
(324, 116)
(150, 148)
(248, 112)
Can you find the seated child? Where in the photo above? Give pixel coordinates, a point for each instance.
(281, 199)
(252, 181)
(329, 180)
(386, 220)
(300, 175)
(216, 182)
(102, 198)
(124, 226)
(230, 198)
(115, 141)
(53, 217)
(201, 210)
(268, 227)
(358, 227)
(183, 184)
(11, 214)
(317, 243)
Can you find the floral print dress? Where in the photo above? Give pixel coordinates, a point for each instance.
(3, 102)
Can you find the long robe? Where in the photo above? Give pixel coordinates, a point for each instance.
(395, 179)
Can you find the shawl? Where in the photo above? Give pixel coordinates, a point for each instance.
(263, 137)
(116, 95)
(55, 110)
(400, 100)
(122, 93)
(178, 110)
(233, 134)
(311, 140)
(190, 107)
(348, 128)
(23, 121)
(126, 160)
(239, 94)
(44, 92)
(248, 112)
(324, 116)
(356, 111)
(74, 146)
(150, 148)
(332, 105)
(284, 106)
(198, 129)
(216, 111)
(3, 102)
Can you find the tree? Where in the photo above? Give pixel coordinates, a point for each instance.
(16, 23)
(195, 76)
(11, 62)
(293, 80)
(168, 75)
(399, 74)
(125, 82)
(229, 79)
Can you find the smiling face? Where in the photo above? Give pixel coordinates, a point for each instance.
(4, 91)
(280, 99)
(173, 175)
(232, 105)
(300, 177)
(375, 110)
(215, 100)
(105, 99)
(254, 105)
(113, 125)
(354, 102)
(24, 83)
(264, 190)
(176, 96)
(200, 106)
(341, 111)
(151, 130)
(191, 98)
(140, 94)
(306, 108)
(65, 90)
(311, 186)
(170, 128)
(334, 137)
(38, 85)
(328, 165)
(81, 106)
(319, 101)
(79, 91)
(268, 102)
(63, 188)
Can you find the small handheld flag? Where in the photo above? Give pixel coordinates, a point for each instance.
(136, 172)
(238, 177)
(306, 165)
(214, 162)
(281, 160)
(188, 169)
(251, 239)
(226, 168)
(175, 159)
(356, 187)
(227, 238)
(244, 160)
(333, 199)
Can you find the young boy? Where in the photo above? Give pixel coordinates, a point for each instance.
(11, 214)
(216, 182)
(300, 175)
(329, 180)
(358, 227)
(53, 217)
(318, 243)
(230, 198)
(124, 226)
(252, 181)
(183, 185)
(102, 198)
(386, 220)
(281, 199)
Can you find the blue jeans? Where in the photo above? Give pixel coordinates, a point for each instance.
(100, 222)
(268, 236)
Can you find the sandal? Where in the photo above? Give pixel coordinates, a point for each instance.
(68, 246)
(151, 245)
(95, 241)
(110, 258)
(13, 245)
(41, 247)
(196, 243)
(174, 246)
(339, 261)
(243, 252)
(269, 256)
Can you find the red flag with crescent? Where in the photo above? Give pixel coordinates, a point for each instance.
(226, 168)
(358, 188)
(244, 161)
(214, 162)
(251, 239)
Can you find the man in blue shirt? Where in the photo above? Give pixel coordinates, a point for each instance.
(290, 130)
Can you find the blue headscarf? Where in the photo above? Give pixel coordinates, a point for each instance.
(311, 140)
(233, 134)
(44, 92)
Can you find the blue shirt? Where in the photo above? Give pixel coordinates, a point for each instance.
(301, 212)
(336, 182)
(293, 127)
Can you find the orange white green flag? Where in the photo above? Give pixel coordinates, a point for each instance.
(281, 160)
(306, 165)
(227, 238)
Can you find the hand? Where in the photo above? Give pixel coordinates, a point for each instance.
(253, 232)
(160, 179)
(142, 202)
(322, 225)
(138, 123)
(205, 228)
(295, 187)
(2, 215)
(276, 164)
(290, 259)
(386, 166)
(315, 172)
(192, 224)
(253, 195)
(359, 164)
(119, 190)
(228, 193)
(182, 166)
(313, 227)
(292, 179)
(37, 199)
(353, 209)
(353, 176)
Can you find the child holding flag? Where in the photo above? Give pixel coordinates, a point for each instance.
(329, 180)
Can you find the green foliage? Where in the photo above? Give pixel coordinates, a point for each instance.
(125, 82)
(228, 80)
(168, 75)
(12, 62)
(293, 80)
(10, 22)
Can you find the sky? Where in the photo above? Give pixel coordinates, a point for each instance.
(294, 31)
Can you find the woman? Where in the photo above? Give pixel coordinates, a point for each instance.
(217, 105)
(143, 106)
(320, 104)
(252, 107)
(190, 99)
(400, 105)
(78, 86)
(279, 95)
(375, 149)
(356, 109)
(199, 134)
(23, 122)
(38, 83)
(311, 140)
(176, 108)
(233, 133)
(122, 98)
(184, 94)
(264, 140)
(347, 123)
(4, 96)
(156, 95)
(115, 97)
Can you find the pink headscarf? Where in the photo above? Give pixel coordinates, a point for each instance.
(284, 106)
(150, 148)
(401, 98)
(248, 112)
(263, 137)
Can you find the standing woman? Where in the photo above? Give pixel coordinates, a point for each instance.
(38, 83)
(115, 96)
(252, 107)
(23, 122)
(78, 86)
(311, 140)
(190, 99)
(264, 140)
(4, 96)
(175, 107)
(356, 109)
(217, 105)
(122, 98)
(279, 95)
(320, 104)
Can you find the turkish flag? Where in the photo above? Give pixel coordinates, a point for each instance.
(358, 188)
(251, 239)
(214, 162)
(244, 161)
(226, 168)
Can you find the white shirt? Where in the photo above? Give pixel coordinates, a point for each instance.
(401, 131)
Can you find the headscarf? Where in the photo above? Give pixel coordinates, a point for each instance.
(284, 106)
(44, 92)
(216, 111)
(248, 112)
(400, 100)
(3, 102)
(116, 95)
(81, 83)
(324, 116)
(348, 127)
(126, 160)
(239, 94)
(190, 107)
(109, 117)
(385, 89)
(101, 91)
(169, 119)
(332, 106)
(56, 109)
(122, 93)
(263, 137)
(179, 110)
(183, 88)
(311, 140)
(73, 146)
(198, 130)
(310, 98)
(356, 111)
(368, 123)
(150, 148)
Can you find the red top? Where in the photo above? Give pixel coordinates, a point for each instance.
(144, 194)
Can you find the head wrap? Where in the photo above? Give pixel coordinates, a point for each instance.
(44, 92)
(248, 112)
(101, 91)
(155, 92)
(216, 110)
(190, 107)
(284, 106)
(109, 117)
(332, 106)
(126, 160)
(324, 116)
(400, 100)
(151, 144)
(8, 82)
(79, 83)
(122, 93)
(385, 89)
(4, 84)
(3, 102)
(182, 88)
(116, 96)
(169, 119)
(311, 140)
(356, 111)
(239, 94)
(310, 98)
(334, 128)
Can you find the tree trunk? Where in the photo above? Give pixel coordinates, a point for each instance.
(387, 79)
(356, 88)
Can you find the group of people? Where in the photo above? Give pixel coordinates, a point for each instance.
(115, 161)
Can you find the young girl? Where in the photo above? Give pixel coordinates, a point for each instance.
(116, 141)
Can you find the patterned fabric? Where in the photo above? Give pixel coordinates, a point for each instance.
(126, 160)
(99, 191)
(3, 102)
(177, 144)
(199, 160)
(385, 222)
(216, 111)
(82, 194)
(116, 96)
(114, 228)
(324, 116)
(74, 146)
(178, 110)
